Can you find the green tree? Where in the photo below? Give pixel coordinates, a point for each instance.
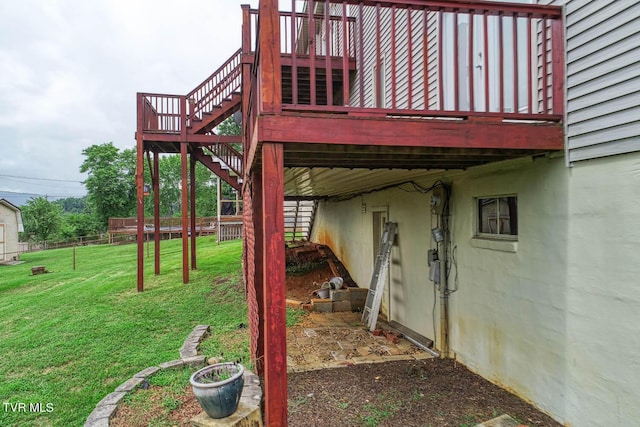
(72, 204)
(111, 182)
(171, 189)
(42, 218)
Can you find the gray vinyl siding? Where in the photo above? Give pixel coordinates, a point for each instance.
(603, 78)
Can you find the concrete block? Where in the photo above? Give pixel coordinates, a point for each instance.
(130, 384)
(99, 415)
(358, 295)
(245, 416)
(195, 361)
(112, 399)
(339, 295)
(147, 372)
(341, 306)
(322, 305)
(172, 364)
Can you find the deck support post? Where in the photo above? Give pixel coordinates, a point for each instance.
(273, 283)
(185, 190)
(140, 194)
(155, 178)
(192, 187)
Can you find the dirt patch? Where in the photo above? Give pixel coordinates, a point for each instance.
(163, 406)
(299, 288)
(432, 392)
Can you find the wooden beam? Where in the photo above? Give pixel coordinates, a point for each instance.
(140, 193)
(192, 208)
(396, 132)
(155, 178)
(270, 72)
(184, 150)
(194, 139)
(275, 373)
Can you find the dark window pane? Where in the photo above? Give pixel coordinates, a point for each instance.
(498, 216)
(488, 219)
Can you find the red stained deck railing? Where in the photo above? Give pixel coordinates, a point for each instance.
(216, 88)
(424, 58)
(160, 113)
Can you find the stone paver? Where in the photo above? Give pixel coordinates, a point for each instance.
(501, 421)
(130, 384)
(329, 340)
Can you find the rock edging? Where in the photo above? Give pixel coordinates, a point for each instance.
(107, 407)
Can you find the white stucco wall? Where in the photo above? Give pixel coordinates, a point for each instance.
(348, 230)
(558, 320)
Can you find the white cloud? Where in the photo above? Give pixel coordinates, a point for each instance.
(70, 69)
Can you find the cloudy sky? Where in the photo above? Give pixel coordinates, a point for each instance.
(70, 70)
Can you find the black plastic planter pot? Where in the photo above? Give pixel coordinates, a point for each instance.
(218, 388)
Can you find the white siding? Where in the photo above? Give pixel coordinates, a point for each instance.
(11, 224)
(603, 78)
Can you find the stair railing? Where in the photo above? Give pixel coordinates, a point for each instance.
(227, 155)
(216, 88)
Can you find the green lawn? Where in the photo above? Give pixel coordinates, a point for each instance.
(70, 337)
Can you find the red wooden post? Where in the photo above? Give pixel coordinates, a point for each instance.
(485, 29)
(185, 190)
(529, 67)
(516, 85)
(311, 28)
(360, 48)
(393, 57)
(327, 54)
(192, 210)
(557, 67)
(544, 43)
(345, 55)
(425, 61)
(501, 63)
(410, 58)
(456, 64)
(246, 79)
(140, 192)
(471, 67)
(440, 62)
(275, 373)
(155, 178)
(379, 71)
(270, 70)
(294, 54)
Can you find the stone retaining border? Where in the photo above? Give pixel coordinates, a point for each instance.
(107, 407)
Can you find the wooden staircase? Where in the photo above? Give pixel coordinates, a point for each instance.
(299, 216)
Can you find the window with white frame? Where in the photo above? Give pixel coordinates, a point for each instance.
(497, 217)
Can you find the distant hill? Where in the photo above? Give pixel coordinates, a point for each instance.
(19, 199)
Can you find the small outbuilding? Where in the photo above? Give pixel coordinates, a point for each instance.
(10, 226)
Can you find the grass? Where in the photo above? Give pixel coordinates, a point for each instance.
(70, 337)
(173, 391)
